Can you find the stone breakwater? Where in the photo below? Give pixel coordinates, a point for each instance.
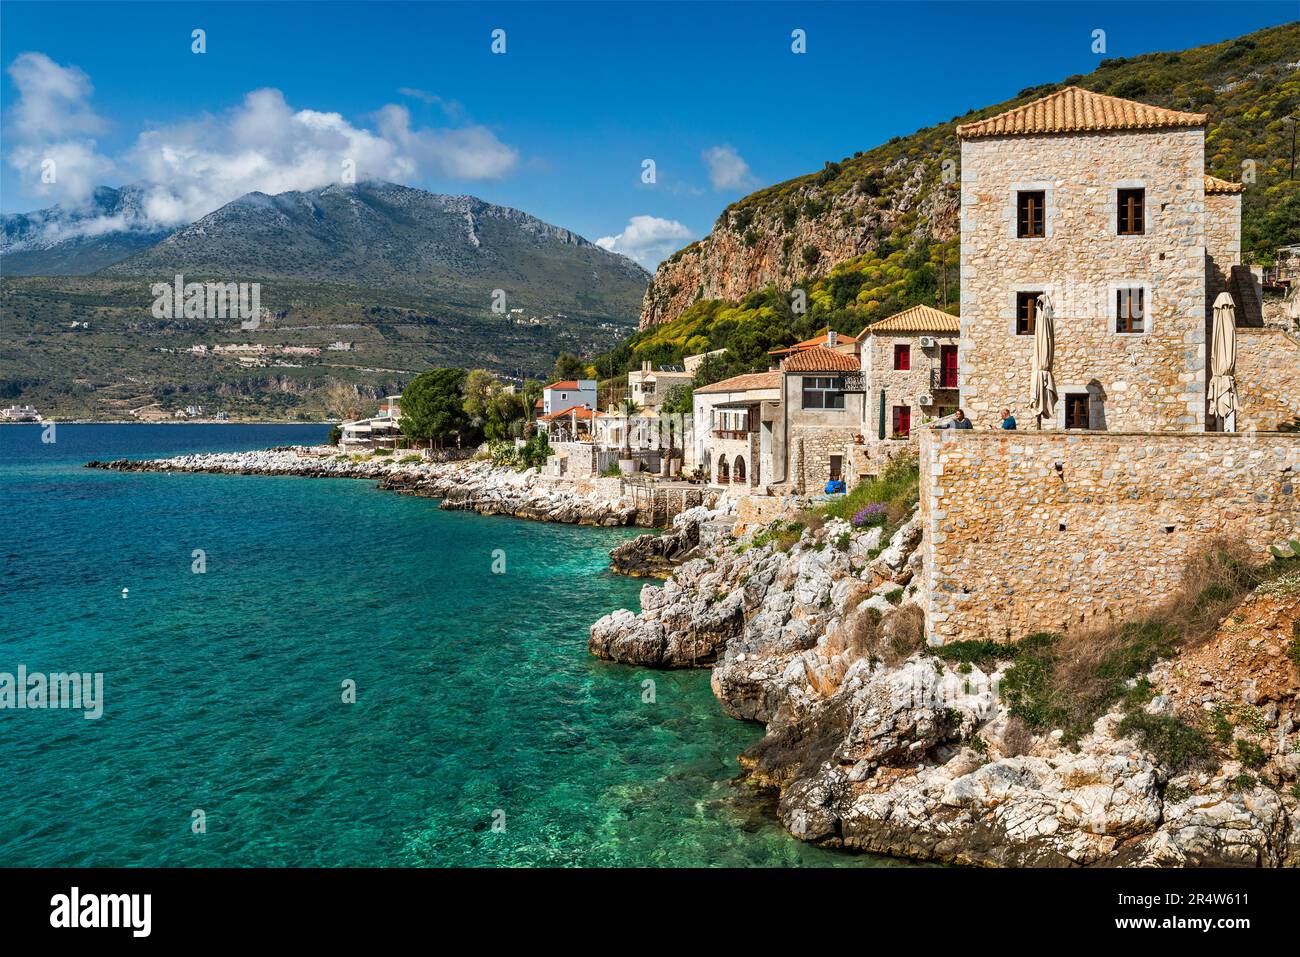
(873, 743)
(475, 486)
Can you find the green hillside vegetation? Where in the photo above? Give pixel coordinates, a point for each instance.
(856, 293)
(1245, 85)
(129, 360)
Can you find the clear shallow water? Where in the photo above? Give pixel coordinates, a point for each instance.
(475, 692)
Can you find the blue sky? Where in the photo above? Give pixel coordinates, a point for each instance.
(558, 126)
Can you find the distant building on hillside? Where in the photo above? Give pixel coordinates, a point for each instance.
(20, 413)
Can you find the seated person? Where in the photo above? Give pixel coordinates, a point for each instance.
(958, 421)
(1008, 420)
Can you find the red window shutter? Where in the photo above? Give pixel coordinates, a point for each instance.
(948, 369)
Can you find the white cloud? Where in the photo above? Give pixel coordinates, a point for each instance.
(263, 144)
(647, 239)
(727, 168)
(452, 109)
(51, 127)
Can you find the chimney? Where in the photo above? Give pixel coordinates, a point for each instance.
(832, 337)
(645, 365)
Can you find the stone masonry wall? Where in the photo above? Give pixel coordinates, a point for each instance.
(1268, 378)
(1222, 242)
(811, 451)
(1148, 381)
(1013, 546)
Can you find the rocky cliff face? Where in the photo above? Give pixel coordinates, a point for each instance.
(874, 743)
(804, 230)
(800, 229)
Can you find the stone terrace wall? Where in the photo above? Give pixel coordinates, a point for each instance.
(1135, 507)
(1268, 378)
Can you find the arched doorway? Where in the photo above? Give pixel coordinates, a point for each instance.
(724, 473)
(738, 471)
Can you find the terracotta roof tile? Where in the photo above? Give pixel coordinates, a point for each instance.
(744, 383)
(821, 359)
(818, 340)
(566, 384)
(1074, 110)
(581, 412)
(1215, 185)
(919, 318)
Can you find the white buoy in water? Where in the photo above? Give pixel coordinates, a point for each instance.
(125, 592)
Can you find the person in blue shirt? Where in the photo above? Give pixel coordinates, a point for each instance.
(835, 487)
(1008, 420)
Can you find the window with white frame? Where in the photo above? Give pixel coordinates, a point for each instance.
(1130, 306)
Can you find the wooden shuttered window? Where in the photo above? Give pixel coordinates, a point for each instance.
(1132, 212)
(1029, 214)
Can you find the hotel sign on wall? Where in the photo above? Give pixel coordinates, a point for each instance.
(853, 382)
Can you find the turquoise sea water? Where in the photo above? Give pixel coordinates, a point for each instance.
(476, 700)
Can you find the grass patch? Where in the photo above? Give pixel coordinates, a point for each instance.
(982, 653)
(897, 489)
(1069, 681)
(781, 535)
(1250, 754)
(1175, 744)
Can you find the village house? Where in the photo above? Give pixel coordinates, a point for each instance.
(910, 370)
(571, 424)
(648, 388)
(1104, 303)
(559, 396)
(836, 407)
(823, 415)
(379, 431)
(734, 440)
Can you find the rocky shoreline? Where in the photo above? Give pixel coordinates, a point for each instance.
(874, 743)
(471, 485)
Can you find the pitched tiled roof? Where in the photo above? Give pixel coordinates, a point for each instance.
(821, 359)
(581, 412)
(818, 340)
(1073, 110)
(566, 384)
(917, 319)
(1215, 185)
(744, 383)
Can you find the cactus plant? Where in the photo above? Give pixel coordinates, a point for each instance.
(1290, 549)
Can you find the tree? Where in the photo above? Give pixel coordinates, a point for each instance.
(490, 406)
(629, 408)
(433, 406)
(480, 387)
(679, 402)
(532, 391)
(568, 366)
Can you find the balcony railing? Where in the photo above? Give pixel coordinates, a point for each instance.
(742, 434)
(938, 380)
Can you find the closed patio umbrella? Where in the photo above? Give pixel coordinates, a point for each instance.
(1042, 398)
(1222, 393)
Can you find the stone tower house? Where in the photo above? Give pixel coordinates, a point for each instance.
(1103, 205)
